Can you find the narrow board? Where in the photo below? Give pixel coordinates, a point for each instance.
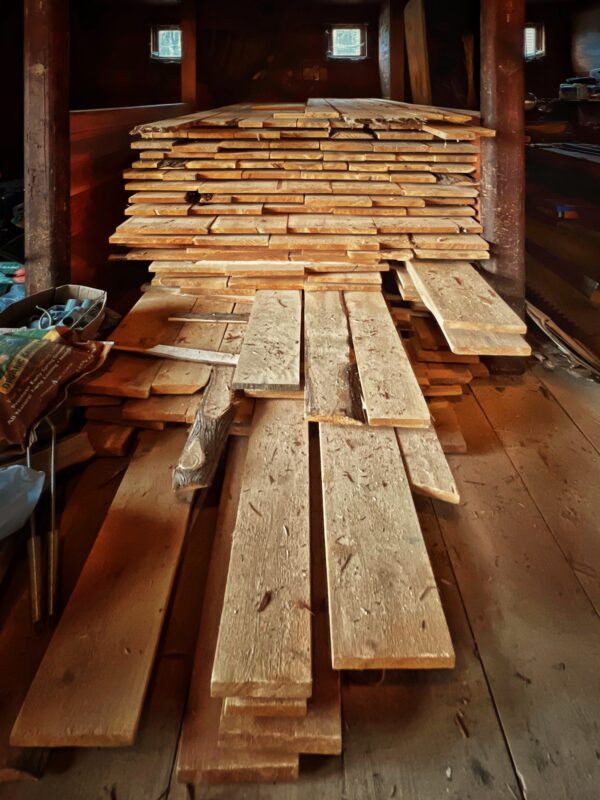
(199, 758)
(263, 707)
(390, 390)
(90, 687)
(460, 298)
(384, 605)
(270, 354)
(264, 645)
(331, 385)
(426, 466)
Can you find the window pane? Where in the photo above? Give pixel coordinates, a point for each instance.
(347, 42)
(169, 43)
(530, 42)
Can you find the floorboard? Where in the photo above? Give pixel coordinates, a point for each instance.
(558, 465)
(536, 632)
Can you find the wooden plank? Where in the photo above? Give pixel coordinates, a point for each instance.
(426, 466)
(199, 758)
(181, 377)
(270, 353)
(332, 386)
(22, 649)
(428, 734)
(109, 440)
(538, 636)
(447, 428)
(122, 376)
(557, 464)
(263, 707)
(460, 298)
(390, 390)
(107, 637)
(192, 354)
(485, 343)
(385, 611)
(264, 647)
(320, 729)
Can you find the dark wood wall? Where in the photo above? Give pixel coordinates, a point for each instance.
(586, 38)
(544, 77)
(11, 70)
(268, 50)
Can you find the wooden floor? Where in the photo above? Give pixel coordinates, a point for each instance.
(518, 564)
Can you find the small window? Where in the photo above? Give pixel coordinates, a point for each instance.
(347, 41)
(535, 42)
(165, 44)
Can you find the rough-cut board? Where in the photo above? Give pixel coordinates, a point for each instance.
(426, 466)
(460, 298)
(390, 390)
(192, 354)
(270, 354)
(385, 610)
(264, 647)
(320, 729)
(90, 687)
(331, 385)
(485, 343)
(263, 707)
(199, 758)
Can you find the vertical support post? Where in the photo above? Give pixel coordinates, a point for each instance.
(392, 49)
(189, 71)
(47, 145)
(415, 26)
(503, 158)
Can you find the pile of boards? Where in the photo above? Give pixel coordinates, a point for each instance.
(318, 563)
(318, 195)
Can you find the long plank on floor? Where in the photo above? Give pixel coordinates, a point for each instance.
(385, 610)
(428, 734)
(390, 389)
(320, 729)
(90, 687)
(332, 388)
(558, 465)
(270, 354)
(264, 645)
(199, 758)
(537, 634)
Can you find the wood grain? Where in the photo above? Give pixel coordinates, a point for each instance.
(390, 390)
(385, 610)
(264, 647)
(270, 353)
(90, 687)
(426, 466)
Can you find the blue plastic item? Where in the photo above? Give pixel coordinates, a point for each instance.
(16, 292)
(20, 490)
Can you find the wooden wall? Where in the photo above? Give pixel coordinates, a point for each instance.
(260, 49)
(543, 77)
(11, 69)
(99, 152)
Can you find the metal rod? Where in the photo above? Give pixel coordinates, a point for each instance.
(53, 537)
(34, 552)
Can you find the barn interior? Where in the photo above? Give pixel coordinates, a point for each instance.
(316, 506)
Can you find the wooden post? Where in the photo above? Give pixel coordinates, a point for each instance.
(47, 146)
(503, 159)
(392, 49)
(189, 33)
(415, 27)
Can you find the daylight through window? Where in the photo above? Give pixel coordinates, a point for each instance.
(348, 41)
(166, 43)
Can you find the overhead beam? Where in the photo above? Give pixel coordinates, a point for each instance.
(47, 147)
(503, 158)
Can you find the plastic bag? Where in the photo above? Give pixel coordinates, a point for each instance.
(20, 490)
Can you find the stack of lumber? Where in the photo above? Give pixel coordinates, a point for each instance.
(319, 195)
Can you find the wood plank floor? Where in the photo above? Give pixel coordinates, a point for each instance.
(518, 717)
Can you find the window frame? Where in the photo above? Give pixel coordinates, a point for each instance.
(540, 41)
(154, 45)
(364, 33)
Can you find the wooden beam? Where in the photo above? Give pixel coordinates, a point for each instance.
(416, 50)
(47, 173)
(189, 53)
(503, 158)
(392, 49)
